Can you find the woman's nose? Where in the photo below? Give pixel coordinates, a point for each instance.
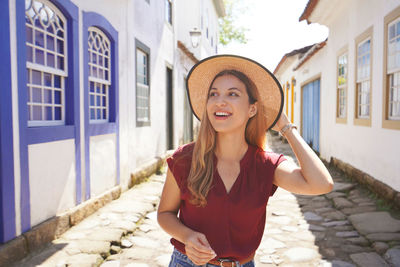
(220, 101)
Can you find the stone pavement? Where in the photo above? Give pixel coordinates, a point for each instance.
(343, 228)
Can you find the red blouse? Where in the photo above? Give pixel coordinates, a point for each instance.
(232, 222)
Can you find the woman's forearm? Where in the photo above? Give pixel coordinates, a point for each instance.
(312, 168)
(173, 226)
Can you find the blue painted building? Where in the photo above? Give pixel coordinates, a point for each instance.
(86, 86)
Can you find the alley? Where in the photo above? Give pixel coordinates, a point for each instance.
(343, 228)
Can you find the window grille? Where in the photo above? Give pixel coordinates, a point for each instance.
(363, 78)
(342, 85)
(99, 75)
(46, 39)
(142, 93)
(393, 69)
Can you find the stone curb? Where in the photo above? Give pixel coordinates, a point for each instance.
(45, 232)
(383, 190)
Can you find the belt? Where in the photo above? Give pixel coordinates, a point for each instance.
(230, 263)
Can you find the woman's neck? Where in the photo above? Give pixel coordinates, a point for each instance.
(230, 147)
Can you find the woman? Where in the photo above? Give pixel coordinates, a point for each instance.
(221, 183)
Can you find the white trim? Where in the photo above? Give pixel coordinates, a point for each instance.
(42, 68)
(361, 93)
(45, 123)
(391, 102)
(82, 110)
(15, 116)
(106, 46)
(98, 80)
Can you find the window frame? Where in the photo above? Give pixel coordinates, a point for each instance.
(141, 46)
(43, 134)
(168, 17)
(67, 130)
(363, 37)
(386, 122)
(102, 81)
(92, 19)
(342, 52)
(44, 68)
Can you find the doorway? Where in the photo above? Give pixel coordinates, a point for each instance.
(169, 111)
(310, 113)
(187, 118)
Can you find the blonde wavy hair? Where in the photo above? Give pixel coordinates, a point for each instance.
(202, 169)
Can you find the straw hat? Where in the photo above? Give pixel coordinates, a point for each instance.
(201, 75)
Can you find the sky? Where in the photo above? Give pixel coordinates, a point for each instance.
(274, 30)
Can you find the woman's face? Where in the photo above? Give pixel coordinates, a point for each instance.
(228, 106)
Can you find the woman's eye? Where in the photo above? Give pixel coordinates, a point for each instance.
(212, 94)
(233, 94)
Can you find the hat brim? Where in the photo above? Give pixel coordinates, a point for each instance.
(201, 75)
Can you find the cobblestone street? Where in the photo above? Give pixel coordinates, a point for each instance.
(343, 228)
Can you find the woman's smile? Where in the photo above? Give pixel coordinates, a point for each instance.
(222, 115)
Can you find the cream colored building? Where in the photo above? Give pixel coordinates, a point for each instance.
(355, 80)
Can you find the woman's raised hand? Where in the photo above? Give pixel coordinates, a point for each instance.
(282, 121)
(198, 249)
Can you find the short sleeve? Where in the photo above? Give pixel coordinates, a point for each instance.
(179, 164)
(273, 160)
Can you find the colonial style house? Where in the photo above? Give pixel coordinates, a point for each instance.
(347, 88)
(92, 91)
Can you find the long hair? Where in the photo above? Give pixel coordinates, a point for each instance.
(202, 169)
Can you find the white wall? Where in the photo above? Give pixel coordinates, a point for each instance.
(188, 16)
(189, 20)
(151, 29)
(51, 179)
(103, 163)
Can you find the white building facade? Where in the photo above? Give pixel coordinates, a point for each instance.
(92, 91)
(356, 75)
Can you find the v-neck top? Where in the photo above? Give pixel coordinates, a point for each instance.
(233, 222)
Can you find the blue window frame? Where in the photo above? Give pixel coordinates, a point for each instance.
(101, 83)
(53, 70)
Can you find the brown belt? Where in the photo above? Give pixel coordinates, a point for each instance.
(229, 262)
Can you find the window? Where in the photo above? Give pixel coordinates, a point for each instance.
(207, 22)
(168, 11)
(341, 87)
(99, 75)
(142, 85)
(393, 70)
(46, 39)
(363, 78)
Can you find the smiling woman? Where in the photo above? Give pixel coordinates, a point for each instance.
(221, 183)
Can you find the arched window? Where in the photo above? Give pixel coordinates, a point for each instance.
(99, 75)
(46, 39)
